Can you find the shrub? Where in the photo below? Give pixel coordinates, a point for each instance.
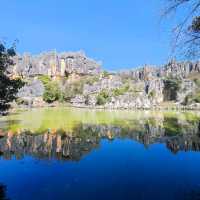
(103, 97)
(73, 89)
(91, 80)
(192, 98)
(171, 87)
(197, 98)
(152, 94)
(120, 91)
(45, 79)
(105, 74)
(197, 81)
(52, 92)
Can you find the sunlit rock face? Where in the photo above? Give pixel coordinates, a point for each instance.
(54, 64)
(108, 83)
(148, 88)
(179, 69)
(173, 69)
(32, 89)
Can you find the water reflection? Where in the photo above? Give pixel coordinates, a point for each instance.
(177, 134)
(3, 195)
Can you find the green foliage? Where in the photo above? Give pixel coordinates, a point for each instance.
(171, 87)
(197, 97)
(73, 89)
(8, 86)
(103, 97)
(172, 84)
(192, 98)
(52, 92)
(91, 80)
(105, 74)
(172, 127)
(120, 91)
(152, 94)
(197, 82)
(45, 79)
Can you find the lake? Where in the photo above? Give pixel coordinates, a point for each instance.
(70, 153)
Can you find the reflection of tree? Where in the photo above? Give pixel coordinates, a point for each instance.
(3, 192)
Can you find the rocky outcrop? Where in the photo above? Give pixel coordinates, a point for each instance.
(34, 88)
(31, 94)
(147, 87)
(186, 87)
(173, 69)
(108, 83)
(179, 69)
(54, 64)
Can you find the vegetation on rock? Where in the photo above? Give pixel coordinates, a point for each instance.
(103, 97)
(171, 87)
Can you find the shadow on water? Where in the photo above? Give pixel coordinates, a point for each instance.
(3, 195)
(194, 194)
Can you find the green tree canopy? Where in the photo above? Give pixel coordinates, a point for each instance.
(8, 86)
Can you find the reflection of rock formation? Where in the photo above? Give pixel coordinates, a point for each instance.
(188, 143)
(178, 135)
(46, 145)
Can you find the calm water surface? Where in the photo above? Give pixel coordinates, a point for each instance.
(66, 153)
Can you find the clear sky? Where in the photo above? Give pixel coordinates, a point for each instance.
(120, 33)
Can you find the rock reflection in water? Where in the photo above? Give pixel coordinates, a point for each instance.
(178, 135)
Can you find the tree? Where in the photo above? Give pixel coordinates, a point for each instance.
(8, 86)
(52, 92)
(187, 31)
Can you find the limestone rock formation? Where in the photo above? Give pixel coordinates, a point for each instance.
(54, 64)
(107, 83)
(34, 88)
(144, 87)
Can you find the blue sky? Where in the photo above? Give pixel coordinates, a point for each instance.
(120, 33)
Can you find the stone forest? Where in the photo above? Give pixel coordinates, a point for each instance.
(73, 79)
(79, 124)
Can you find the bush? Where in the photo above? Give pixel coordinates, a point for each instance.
(120, 91)
(171, 87)
(197, 98)
(152, 94)
(52, 92)
(105, 74)
(71, 90)
(191, 98)
(45, 79)
(103, 97)
(91, 80)
(197, 82)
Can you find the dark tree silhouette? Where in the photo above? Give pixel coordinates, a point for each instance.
(8, 85)
(187, 31)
